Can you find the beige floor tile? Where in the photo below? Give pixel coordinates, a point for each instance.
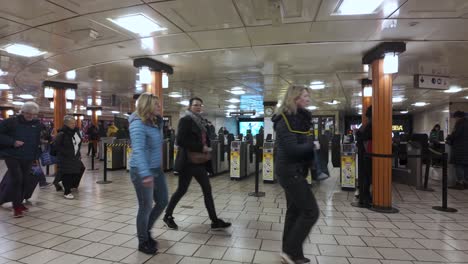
(115, 253)
(238, 254)
(211, 252)
(184, 249)
(92, 250)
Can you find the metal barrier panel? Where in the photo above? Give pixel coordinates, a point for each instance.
(268, 173)
(235, 159)
(348, 166)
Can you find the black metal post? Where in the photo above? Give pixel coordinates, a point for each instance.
(444, 207)
(105, 181)
(257, 174)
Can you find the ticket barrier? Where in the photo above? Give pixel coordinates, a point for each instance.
(242, 159)
(219, 161)
(116, 156)
(408, 170)
(104, 140)
(168, 157)
(348, 168)
(268, 172)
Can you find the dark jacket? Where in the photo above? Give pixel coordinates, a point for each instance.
(93, 133)
(189, 138)
(294, 151)
(459, 143)
(17, 128)
(68, 161)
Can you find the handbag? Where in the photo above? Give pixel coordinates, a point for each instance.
(47, 158)
(198, 157)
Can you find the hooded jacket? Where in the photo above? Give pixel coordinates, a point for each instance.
(294, 147)
(146, 143)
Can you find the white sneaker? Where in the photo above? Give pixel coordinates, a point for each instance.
(69, 196)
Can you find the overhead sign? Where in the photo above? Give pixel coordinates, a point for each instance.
(431, 82)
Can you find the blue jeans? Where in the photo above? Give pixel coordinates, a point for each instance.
(147, 214)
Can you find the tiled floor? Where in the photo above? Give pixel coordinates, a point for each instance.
(99, 227)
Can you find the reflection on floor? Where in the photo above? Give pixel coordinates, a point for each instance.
(99, 227)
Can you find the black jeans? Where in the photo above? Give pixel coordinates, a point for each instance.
(301, 214)
(185, 177)
(92, 147)
(21, 176)
(70, 181)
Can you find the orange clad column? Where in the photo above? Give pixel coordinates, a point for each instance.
(59, 109)
(382, 71)
(94, 117)
(156, 88)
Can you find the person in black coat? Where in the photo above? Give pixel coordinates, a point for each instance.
(192, 136)
(294, 154)
(458, 141)
(20, 146)
(68, 145)
(93, 138)
(364, 145)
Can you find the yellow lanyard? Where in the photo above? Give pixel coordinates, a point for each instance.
(307, 133)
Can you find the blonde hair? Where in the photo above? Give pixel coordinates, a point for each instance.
(145, 107)
(288, 105)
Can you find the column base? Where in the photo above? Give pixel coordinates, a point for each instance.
(425, 189)
(103, 182)
(257, 194)
(360, 205)
(384, 210)
(446, 209)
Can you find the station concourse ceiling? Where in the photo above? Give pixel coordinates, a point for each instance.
(215, 45)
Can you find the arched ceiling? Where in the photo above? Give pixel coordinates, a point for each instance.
(214, 45)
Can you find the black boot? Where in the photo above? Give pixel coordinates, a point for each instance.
(152, 242)
(169, 220)
(220, 224)
(147, 248)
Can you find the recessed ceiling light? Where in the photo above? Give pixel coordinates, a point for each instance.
(17, 103)
(446, 111)
(184, 102)
(453, 89)
(175, 94)
(420, 104)
(397, 99)
(165, 56)
(23, 50)
(365, 67)
(71, 75)
(237, 91)
(4, 86)
(26, 96)
(99, 80)
(52, 72)
(115, 112)
(357, 7)
(333, 102)
(233, 101)
(317, 85)
(231, 106)
(404, 112)
(138, 23)
(312, 107)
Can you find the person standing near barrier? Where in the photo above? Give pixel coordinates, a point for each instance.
(93, 138)
(458, 140)
(20, 147)
(294, 153)
(146, 137)
(364, 145)
(69, 165)
(193, 139)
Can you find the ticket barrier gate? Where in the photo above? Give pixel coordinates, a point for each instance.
(116, 156)
(104, 140)
(242, 160)
(411, 171)
(219, 161)
(168, 156)
(268, 172)
(348, 168)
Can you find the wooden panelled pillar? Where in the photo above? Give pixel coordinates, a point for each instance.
(78, 122)
(381, 138)
(94, 117)
(4, 114)
(156, 87)
(366, 102)
(59, 109)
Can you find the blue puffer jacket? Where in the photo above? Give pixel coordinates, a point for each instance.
(146, 143)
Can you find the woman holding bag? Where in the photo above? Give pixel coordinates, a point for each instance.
(294, 154)
(191, 161)
(68, 145)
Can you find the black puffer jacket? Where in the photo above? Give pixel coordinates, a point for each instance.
(294, 151)
(17, 128)
(68, 162)
(459, 143)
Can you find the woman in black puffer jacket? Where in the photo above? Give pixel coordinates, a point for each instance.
(294, 155)
(68, 145)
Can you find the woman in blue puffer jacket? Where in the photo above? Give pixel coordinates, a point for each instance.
(145, 167)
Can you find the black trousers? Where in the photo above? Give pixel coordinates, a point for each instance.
(185, 177)
(69, 181)
(301, 214)
(92, 147)
(21, 177)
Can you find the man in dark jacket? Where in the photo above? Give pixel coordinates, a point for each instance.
(459, 149)
(20, 146)
(93, 138)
